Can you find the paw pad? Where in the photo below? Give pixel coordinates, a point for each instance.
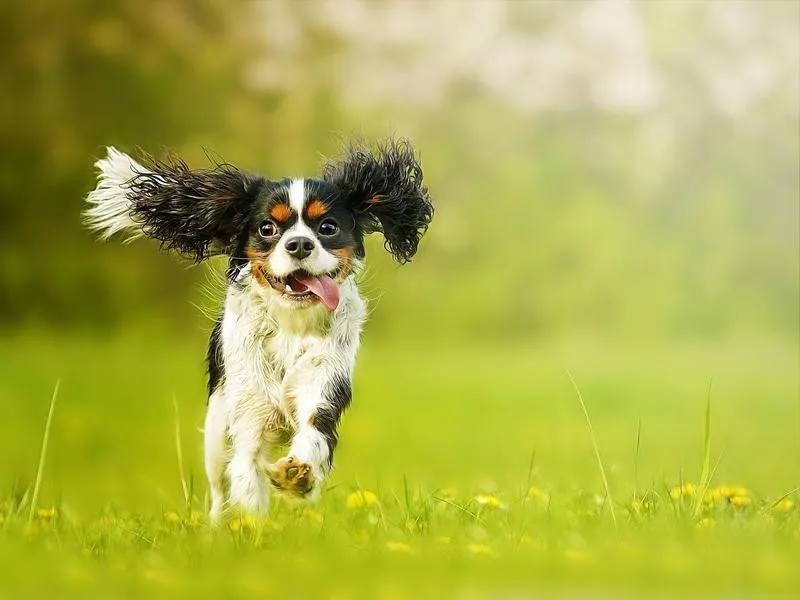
(290, 475)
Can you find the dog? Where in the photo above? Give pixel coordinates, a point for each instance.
(282, 353)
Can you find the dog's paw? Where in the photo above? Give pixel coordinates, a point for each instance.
(290, 475)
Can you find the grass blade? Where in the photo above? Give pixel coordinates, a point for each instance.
(596, 448)
(43, 453)
(636, 458)
(704, 473)
(179, 452)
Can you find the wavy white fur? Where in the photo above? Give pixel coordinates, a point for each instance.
(109, 203)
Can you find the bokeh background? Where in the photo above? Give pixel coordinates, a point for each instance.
(616, 187)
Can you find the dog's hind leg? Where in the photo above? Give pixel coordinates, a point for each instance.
(216, 453)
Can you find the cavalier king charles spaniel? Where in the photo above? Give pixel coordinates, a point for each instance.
(282, 352)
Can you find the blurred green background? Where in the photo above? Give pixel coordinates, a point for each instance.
(616, 188)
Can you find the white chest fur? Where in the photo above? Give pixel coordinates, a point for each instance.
(272, 354)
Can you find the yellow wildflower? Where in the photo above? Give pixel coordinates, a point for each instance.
(479, 549)
(361, 498)
(242, 523)
(784, 505)
(736, 490)
(687, 489)
(706, 523)
(490, 501)
(399, 547)
(450, 493)
(46, 513)
(172, 517)
(740, 501)
(538, 495)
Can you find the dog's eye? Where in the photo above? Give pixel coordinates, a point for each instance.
(328, 227)
(268, 229)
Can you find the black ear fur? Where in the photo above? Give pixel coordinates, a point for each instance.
(197, 213)
(386, 193)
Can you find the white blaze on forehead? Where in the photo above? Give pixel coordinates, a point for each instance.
(297, 200)
(297, 195)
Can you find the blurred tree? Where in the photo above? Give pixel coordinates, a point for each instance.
(77, 76)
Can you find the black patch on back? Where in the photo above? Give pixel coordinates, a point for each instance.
(216, 368)
(337, 393)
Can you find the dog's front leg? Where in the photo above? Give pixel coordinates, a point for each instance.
(319, 397)
(248, 489)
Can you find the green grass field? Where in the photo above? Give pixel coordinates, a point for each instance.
(463, 471)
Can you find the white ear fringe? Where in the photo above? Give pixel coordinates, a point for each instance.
(109, 203)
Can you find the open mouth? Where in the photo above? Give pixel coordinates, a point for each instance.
(301, 286)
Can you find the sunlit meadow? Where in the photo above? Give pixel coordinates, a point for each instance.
(587, 382)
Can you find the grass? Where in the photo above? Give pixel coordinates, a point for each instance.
(462, 472)
(43, 454)
(608, 498)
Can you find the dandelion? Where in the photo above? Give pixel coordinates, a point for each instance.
(46, 513)
(399, 547)
(733, 491)
(490, 501)
(479, 549)
(687, 489)
(172, 517)
(242, 524)
(740, 501)
(537, 495)
(706, 523)
(784, 505)
(448, 493)
(361, 499)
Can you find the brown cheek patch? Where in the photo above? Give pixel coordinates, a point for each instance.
(280, 212)
(316, 208)
(258, 262)
(345, 256)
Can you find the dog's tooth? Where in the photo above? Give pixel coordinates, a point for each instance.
(288, 289)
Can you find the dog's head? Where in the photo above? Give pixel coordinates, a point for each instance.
(299, 238)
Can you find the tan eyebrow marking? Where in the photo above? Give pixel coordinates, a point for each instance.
(281, 212)
(315, 209)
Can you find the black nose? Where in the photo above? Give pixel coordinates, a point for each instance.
(299, 247)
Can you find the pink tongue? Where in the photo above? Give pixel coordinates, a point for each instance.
(324, 287)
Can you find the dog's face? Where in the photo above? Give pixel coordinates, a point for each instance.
(299, 238)
(303, 240)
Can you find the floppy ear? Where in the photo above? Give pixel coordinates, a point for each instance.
(197, 213)
(385, 192)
